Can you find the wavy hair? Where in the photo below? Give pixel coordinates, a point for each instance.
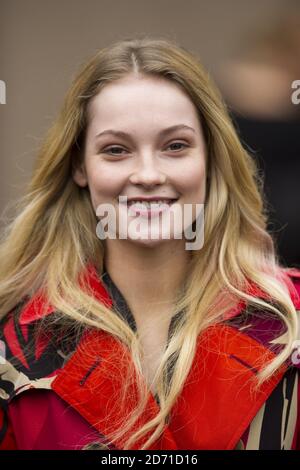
(51, 236)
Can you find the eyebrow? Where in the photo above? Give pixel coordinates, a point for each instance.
(162, 133)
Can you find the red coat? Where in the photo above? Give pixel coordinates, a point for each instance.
(51, 398)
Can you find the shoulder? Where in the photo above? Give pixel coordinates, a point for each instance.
(294, 275)
(30, 354)
(294, 278)
(291, 277)
(31, 357)
(36, 340)
(262, 325)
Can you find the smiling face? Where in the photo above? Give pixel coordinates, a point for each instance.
(144, 159)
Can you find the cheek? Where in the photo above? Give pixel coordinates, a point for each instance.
(104, 183)
(192, 180)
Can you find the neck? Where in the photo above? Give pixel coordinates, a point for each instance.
(148, 277)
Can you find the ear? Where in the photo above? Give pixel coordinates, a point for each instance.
(79, 175)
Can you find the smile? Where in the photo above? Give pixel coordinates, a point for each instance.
(148, 208)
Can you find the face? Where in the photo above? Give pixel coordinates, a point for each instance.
(129, 151)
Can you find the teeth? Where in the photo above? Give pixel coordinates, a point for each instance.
(148, 204)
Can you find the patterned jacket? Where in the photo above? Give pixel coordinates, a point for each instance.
(58, 395)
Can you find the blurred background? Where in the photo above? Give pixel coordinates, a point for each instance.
(251, 49)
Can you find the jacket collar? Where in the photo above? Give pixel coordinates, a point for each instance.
(36, 307)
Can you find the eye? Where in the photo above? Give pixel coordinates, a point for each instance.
(109, 149)
(178, 143)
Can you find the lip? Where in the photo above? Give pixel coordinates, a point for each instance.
(152, 198)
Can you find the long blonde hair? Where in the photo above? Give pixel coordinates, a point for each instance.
(52, 236)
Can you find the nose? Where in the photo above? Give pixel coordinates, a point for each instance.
(147, 172)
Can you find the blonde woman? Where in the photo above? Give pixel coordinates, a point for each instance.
(142, 342)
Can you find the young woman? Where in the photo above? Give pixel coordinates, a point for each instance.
(136, 342)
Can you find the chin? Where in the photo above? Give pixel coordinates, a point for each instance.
(148, 242)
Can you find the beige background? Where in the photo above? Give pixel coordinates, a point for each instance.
(42, 43)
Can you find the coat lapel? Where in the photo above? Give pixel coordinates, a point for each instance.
(92, 381)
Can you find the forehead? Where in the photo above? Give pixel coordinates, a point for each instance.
(135, 100)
